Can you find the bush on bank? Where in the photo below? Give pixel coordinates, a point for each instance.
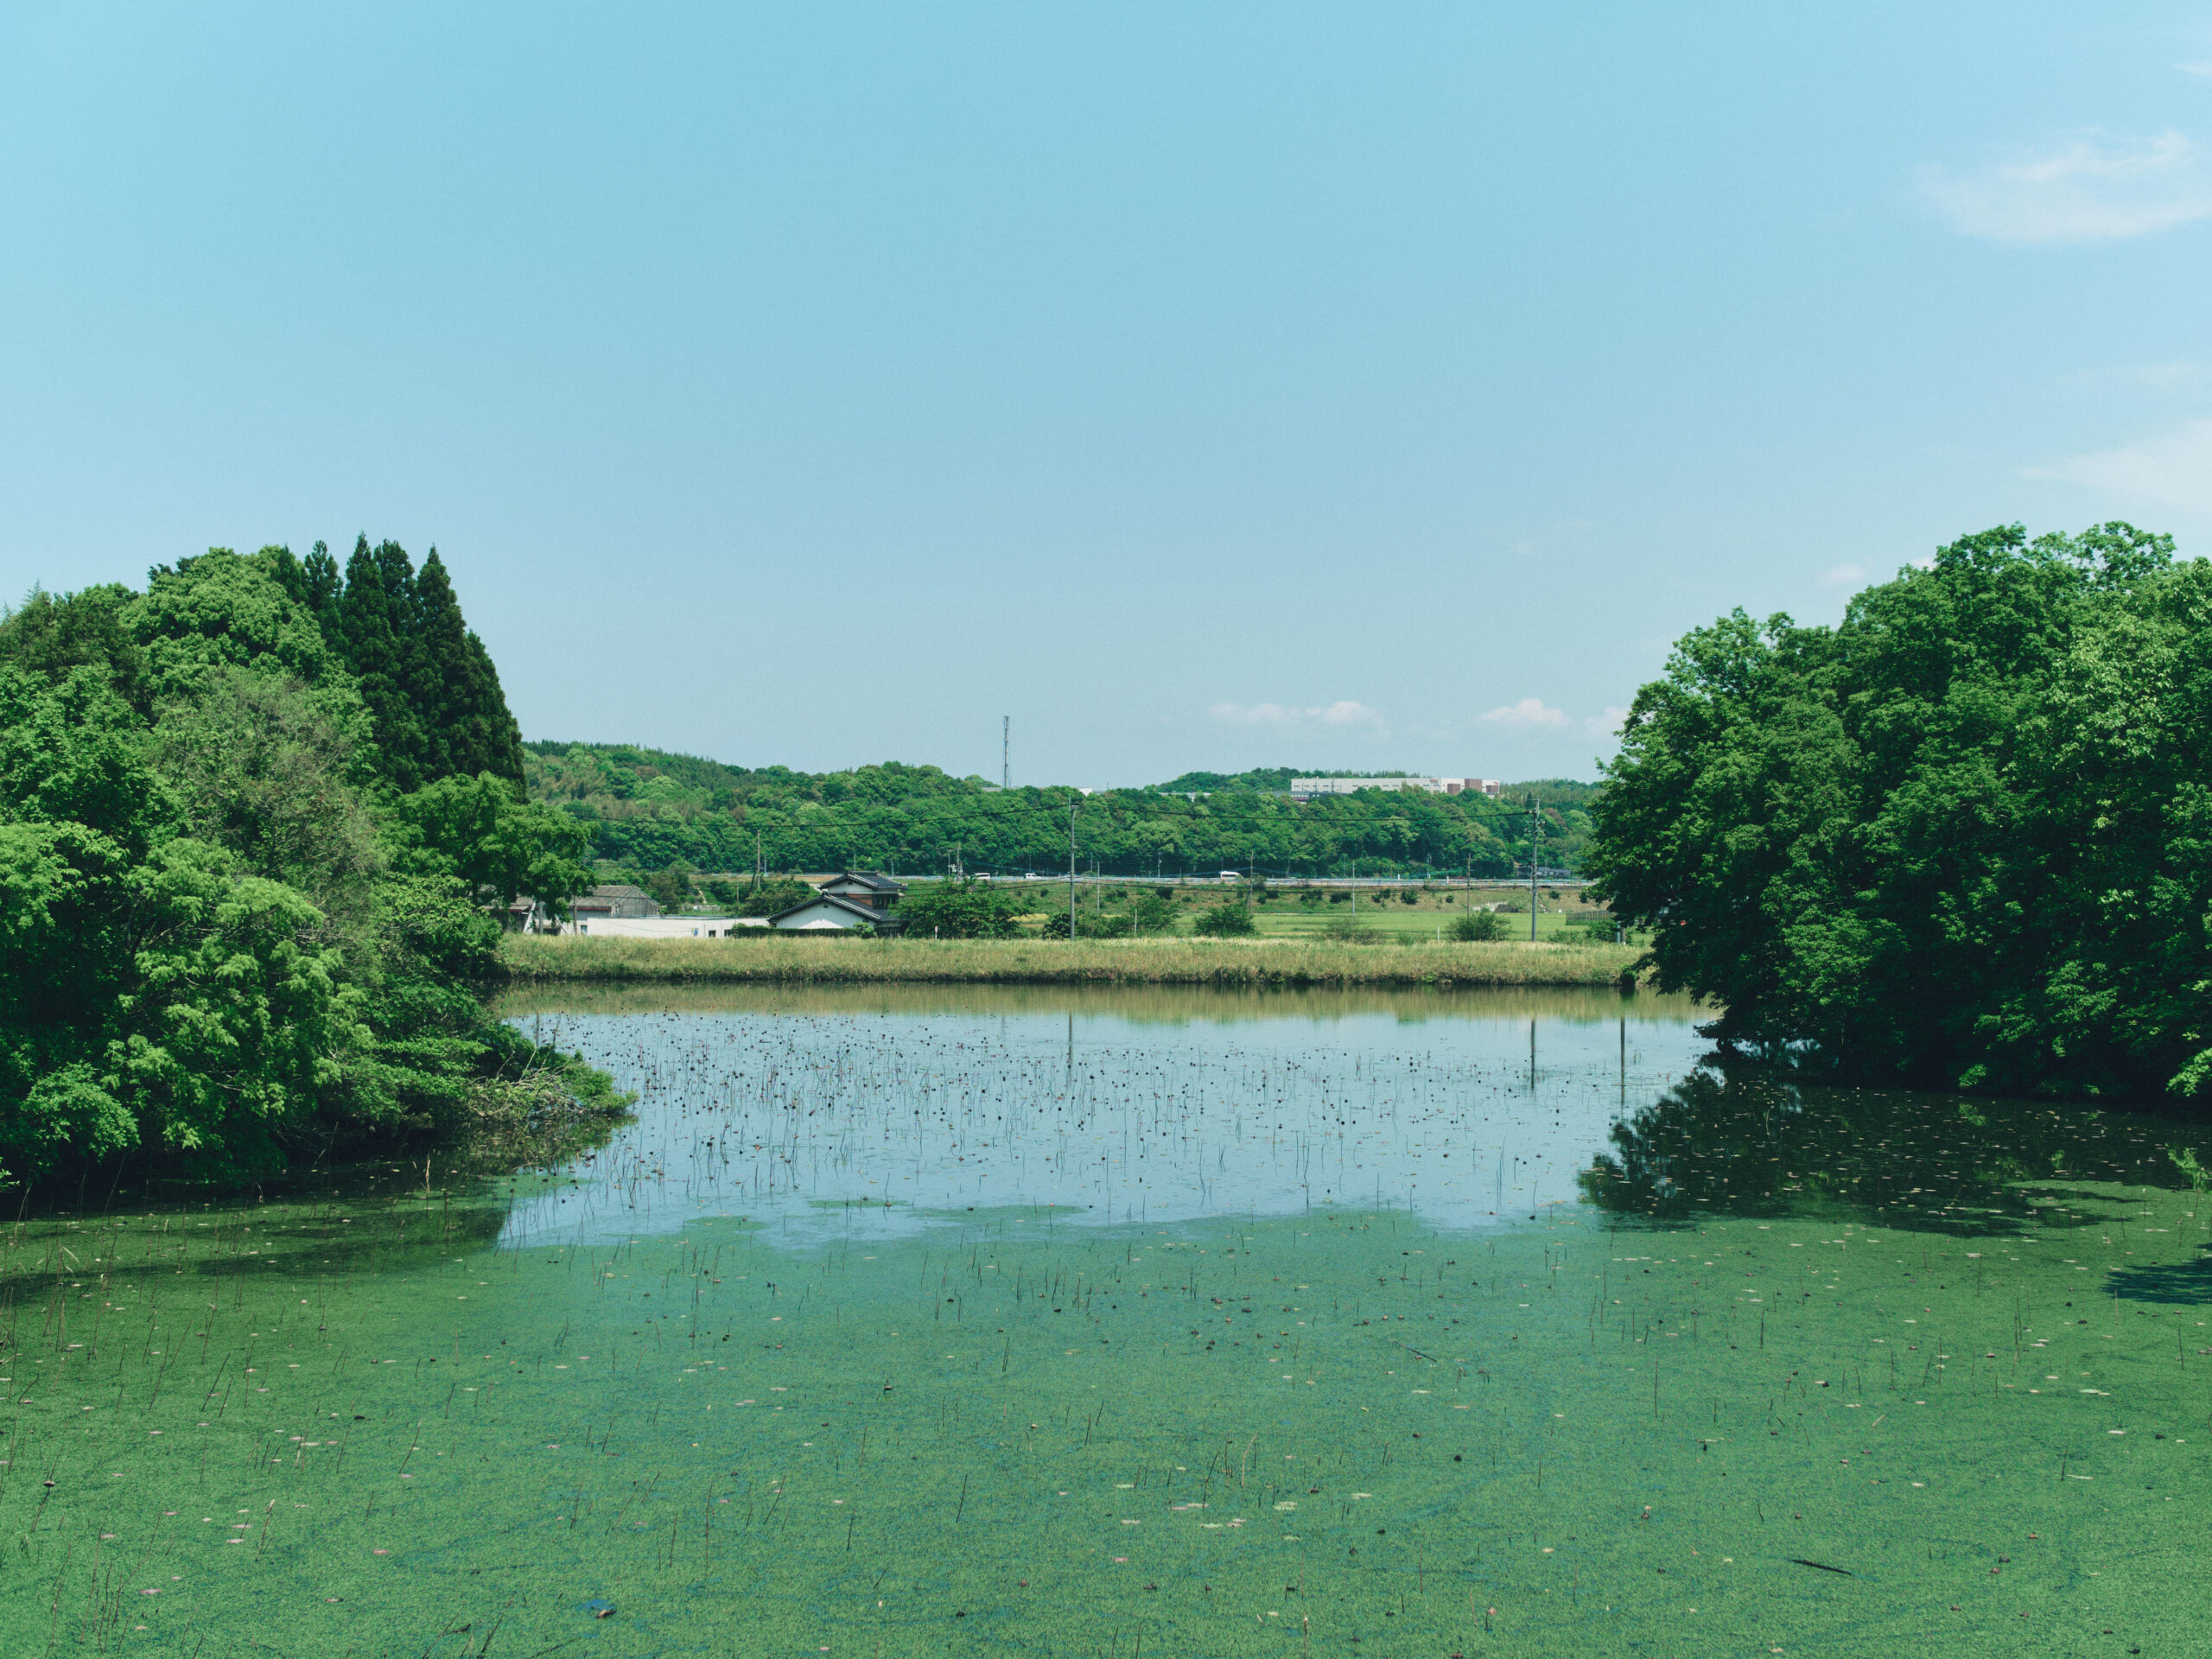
(245, 870)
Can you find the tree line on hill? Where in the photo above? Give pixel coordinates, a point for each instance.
(649, 811)
(1961, 839)
(252, 819)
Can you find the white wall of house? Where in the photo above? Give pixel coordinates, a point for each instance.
(660, 927)
(818, 916)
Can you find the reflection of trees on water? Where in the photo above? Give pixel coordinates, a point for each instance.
(1742, 1141)
(361, 1217)
(323, 1241)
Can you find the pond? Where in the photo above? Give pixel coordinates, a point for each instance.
(927, 1320)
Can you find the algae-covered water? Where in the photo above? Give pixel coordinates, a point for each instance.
(946, 1322)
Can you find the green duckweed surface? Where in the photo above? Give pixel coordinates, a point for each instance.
(1783, 1372)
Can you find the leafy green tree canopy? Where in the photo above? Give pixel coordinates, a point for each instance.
(1476, 924)
(500, 844)
(1225, 921)
(1963, 838)
(959, 910)
(225, 935)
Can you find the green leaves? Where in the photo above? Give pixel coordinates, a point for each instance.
(220, 932)
(649, 809)
(1959, 839)
(499, 844)
(276, 773)
(64, 959)
(70, 753)
(429, 682)
(233, 1023)
(224, 610)
(959, 910)
(1225, 921)
(171, 1000)
(1478, 925)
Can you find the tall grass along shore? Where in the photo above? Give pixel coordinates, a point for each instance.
(529, 958)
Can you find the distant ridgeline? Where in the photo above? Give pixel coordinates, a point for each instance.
(648, 809)
(255, 823)
(1273, 780)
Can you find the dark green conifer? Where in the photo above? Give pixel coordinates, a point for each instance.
(472, 730)
(320, 586)
(377, 652)
(492, 736)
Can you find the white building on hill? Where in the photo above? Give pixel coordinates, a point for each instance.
(1305, 789)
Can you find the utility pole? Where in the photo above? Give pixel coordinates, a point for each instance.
(1006, 751)
(1072, 806)
(1536, 829)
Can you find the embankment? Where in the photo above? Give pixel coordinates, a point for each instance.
(794, 958)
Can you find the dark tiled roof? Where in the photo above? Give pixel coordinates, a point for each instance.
(874, 879)
(620, 890)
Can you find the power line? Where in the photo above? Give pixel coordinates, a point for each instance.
(1535, 826)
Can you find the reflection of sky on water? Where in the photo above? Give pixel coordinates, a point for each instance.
(869, 1121)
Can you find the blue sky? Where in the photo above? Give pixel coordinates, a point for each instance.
(1364, 386)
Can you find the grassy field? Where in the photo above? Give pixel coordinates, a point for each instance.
(1290, 912)
(1395, 922)
(531, 958)
(1129, 1002)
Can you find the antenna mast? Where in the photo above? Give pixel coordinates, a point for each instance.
(1006, 751)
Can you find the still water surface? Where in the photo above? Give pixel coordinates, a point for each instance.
(843, 1111)
(925, 1321)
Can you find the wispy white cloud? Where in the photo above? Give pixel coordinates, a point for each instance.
(2177, 377)
(2172, 470)
(2202, 68)
(2092, 188)
(1527, 715)
(1843, 576)
(1343, 712)
(2181, 375)
(1607, 724)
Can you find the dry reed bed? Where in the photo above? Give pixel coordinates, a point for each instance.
(1148, 962)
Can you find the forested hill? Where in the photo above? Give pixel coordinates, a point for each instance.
(648, 809)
